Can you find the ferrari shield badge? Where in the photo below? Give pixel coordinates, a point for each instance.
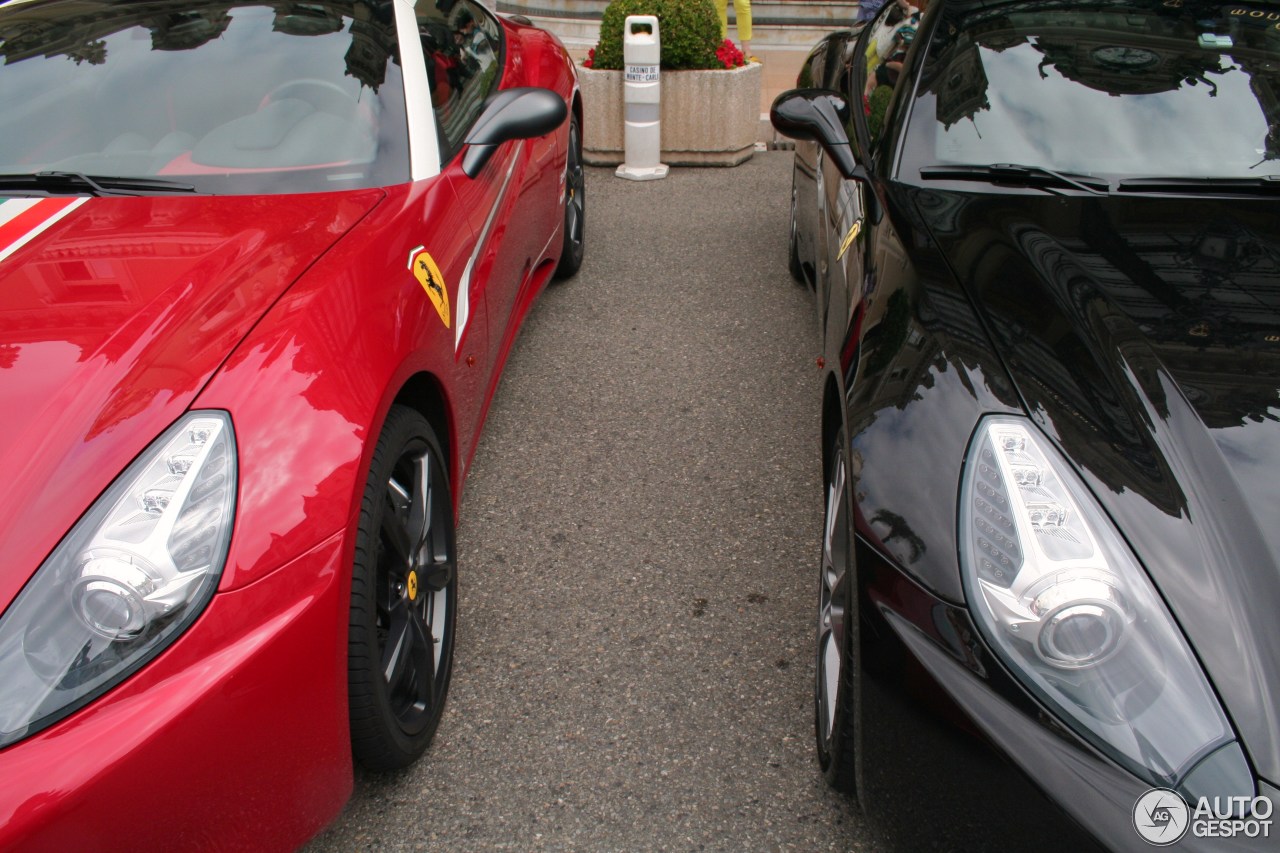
(432, 281)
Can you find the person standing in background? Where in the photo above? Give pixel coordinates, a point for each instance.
(742, 11)
(891, 52)
(867, 10)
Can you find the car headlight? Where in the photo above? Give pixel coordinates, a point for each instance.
(1060, 597)
(132, 574)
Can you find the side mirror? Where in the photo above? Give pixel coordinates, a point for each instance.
(820, 115)
(817, 115)
(521, 113)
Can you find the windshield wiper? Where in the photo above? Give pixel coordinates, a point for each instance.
(1263, 185)
(1011, 173)
(75, 182)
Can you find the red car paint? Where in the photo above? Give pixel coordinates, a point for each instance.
(299, 316)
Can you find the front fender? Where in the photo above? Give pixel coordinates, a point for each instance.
(917, 371)
(308, 390)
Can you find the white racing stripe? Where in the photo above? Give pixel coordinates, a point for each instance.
(24, 219)
(464, 287)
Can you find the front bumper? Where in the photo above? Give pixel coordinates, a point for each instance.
(234, 738)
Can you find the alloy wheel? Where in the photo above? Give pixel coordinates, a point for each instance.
(415, 581)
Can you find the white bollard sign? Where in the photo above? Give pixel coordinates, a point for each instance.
(641, 52)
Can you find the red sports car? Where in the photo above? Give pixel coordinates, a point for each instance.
(260, 266)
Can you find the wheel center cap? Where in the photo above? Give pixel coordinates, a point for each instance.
(412, 586)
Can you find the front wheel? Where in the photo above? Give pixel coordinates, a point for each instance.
(575, 209)
(835, 717)
(404, 589)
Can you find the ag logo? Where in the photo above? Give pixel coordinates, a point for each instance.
(1161, 817)
(428, 275)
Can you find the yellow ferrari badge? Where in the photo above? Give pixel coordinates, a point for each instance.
(413, 586)
(432, 281)
(849, 238)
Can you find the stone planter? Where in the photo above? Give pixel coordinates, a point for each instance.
(709, 118)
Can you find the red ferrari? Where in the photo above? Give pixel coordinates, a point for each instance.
(260, 266)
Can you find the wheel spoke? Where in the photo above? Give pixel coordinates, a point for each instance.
(575, 156)
(394, 530)
(832, 595)
(574, 209)
(573, 220)
(424, 663)
(438, 612)
(397, 652)
(834, 606)
(435, 556)
(419, 523)
(438, 575)
(835, 507)
(830, 676)
(409, 662)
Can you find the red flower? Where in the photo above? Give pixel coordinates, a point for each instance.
(729, 54)
(590, 61)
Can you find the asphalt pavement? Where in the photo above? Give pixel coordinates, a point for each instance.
(639, 539)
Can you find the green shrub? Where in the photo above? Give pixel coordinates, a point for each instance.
(689, 29)
(608, 54)
(879, 103)
(690, 34)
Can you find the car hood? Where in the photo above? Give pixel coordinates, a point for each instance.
(1144, 335)
(114, 313)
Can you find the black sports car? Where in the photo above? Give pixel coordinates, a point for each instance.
(1044, 239)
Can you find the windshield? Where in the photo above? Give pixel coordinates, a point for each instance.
(240, 99)
(1115, 89)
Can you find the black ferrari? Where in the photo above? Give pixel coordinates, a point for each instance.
(1044, 240)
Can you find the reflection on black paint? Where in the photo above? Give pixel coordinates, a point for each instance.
(886, 339)
(1082, 294)
(893, 527)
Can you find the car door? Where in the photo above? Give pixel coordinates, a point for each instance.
(807, 238)
(465, 48)
(861, 244)
(841, 200)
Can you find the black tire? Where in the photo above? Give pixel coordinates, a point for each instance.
(835, 678)
(404, 597)
(575, 207)
(793, 249)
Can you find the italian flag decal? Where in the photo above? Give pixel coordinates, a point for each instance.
(23, 219)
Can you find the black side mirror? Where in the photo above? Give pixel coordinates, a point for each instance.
(521, 113)
(817, 115)
(820, 115)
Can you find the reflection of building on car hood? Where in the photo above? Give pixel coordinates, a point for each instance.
(303, 99)
(82, 40)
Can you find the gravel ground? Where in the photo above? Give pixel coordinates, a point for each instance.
(638, 540)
